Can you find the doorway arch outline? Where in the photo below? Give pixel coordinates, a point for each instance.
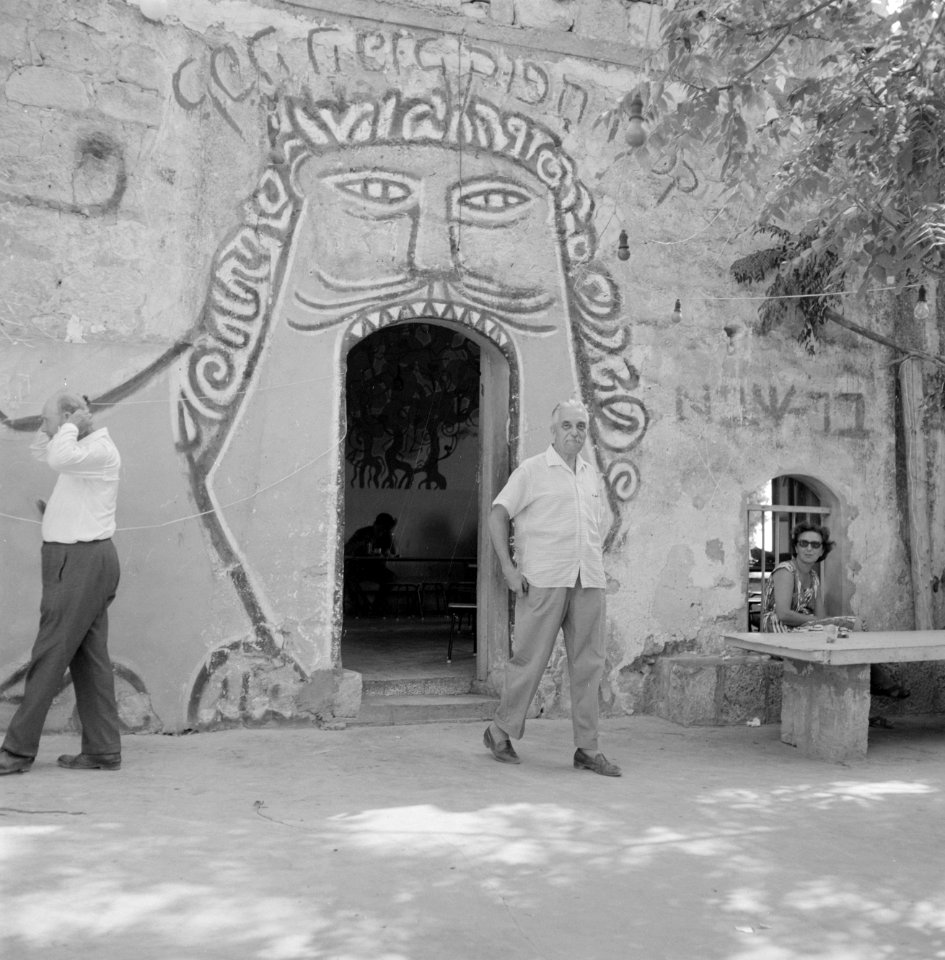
(499, 424)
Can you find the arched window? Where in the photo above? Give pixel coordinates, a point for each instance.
(779, 505)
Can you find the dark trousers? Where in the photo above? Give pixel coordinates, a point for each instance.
(368, 570)
(79, 582)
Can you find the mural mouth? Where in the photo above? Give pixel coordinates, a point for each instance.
(433, 308)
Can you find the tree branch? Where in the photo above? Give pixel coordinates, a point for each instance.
(842, 321)
(918, 57)
(803, 15)
(755, 66)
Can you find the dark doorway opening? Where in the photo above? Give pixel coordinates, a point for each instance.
(412, 456)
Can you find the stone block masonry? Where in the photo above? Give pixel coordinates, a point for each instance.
(693, 689)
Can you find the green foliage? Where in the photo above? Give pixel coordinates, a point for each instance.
(830, 106)
(801, 277)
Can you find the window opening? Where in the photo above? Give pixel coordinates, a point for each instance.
(789, 501)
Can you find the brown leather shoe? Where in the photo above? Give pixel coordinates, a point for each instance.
(501, 749)
(11, 763)
(598, 763)
(90, 761)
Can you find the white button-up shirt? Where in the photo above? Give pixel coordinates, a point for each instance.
(83, 502)
(558, 515)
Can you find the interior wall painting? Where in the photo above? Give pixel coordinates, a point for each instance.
(412, 394)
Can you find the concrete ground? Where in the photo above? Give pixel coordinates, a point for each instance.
(408, 843)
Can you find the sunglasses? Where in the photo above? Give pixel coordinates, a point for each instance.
(814, 544)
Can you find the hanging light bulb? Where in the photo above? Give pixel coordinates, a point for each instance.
(676, 315)
(623, 246)
(155, 10)
(921, 311)
(636, 134)
(733, 331)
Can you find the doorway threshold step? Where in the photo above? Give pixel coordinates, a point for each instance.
(416, 686)
(396, 710)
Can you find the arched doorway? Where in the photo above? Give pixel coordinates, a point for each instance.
(776, 508)
(427, 412)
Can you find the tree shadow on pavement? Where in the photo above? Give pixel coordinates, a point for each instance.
(308, 845)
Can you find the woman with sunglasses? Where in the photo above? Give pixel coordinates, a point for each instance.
(794, 599)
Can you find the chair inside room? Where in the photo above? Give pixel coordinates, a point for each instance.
(461, 608)
(407, 597)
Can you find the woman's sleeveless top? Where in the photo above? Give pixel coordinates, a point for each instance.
(802, 600)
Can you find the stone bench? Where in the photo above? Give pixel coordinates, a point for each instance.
(697, 689)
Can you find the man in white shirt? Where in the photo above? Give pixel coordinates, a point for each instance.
(557, 576)
(80, 577)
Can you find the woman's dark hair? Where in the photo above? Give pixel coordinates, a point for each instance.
(805, 526)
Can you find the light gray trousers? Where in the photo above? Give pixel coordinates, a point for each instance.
(580, 613)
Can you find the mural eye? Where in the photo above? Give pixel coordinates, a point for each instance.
(381, 190)
(497, 199)
(491, 201)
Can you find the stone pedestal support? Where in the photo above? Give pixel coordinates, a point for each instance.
(825, 709)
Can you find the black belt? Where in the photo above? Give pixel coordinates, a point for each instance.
(60, 543)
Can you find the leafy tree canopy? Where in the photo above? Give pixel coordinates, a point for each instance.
(827, 115)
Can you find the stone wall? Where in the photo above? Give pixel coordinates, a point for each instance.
(204, 206)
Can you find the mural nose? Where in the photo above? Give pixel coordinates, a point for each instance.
(433, 246)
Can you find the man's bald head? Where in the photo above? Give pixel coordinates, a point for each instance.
(59, 408)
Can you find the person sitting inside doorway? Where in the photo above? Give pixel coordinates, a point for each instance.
(364, 564)
(794, 600)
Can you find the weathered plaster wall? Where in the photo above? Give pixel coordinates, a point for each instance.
(203, 209)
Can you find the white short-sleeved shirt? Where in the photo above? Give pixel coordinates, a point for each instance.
(82, 505)
(558, 515)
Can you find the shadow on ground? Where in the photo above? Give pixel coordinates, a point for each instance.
(411, 842)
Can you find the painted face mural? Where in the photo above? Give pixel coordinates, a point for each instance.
(372, 213)
(385, 211)
(419, 234)
(388, 210)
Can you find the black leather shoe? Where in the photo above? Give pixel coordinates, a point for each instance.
(500, 749)
(89, 761)
(598, 763)
(11, 763)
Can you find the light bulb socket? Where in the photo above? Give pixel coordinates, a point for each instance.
(921, 311)
(636, 133)
(623, 246)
